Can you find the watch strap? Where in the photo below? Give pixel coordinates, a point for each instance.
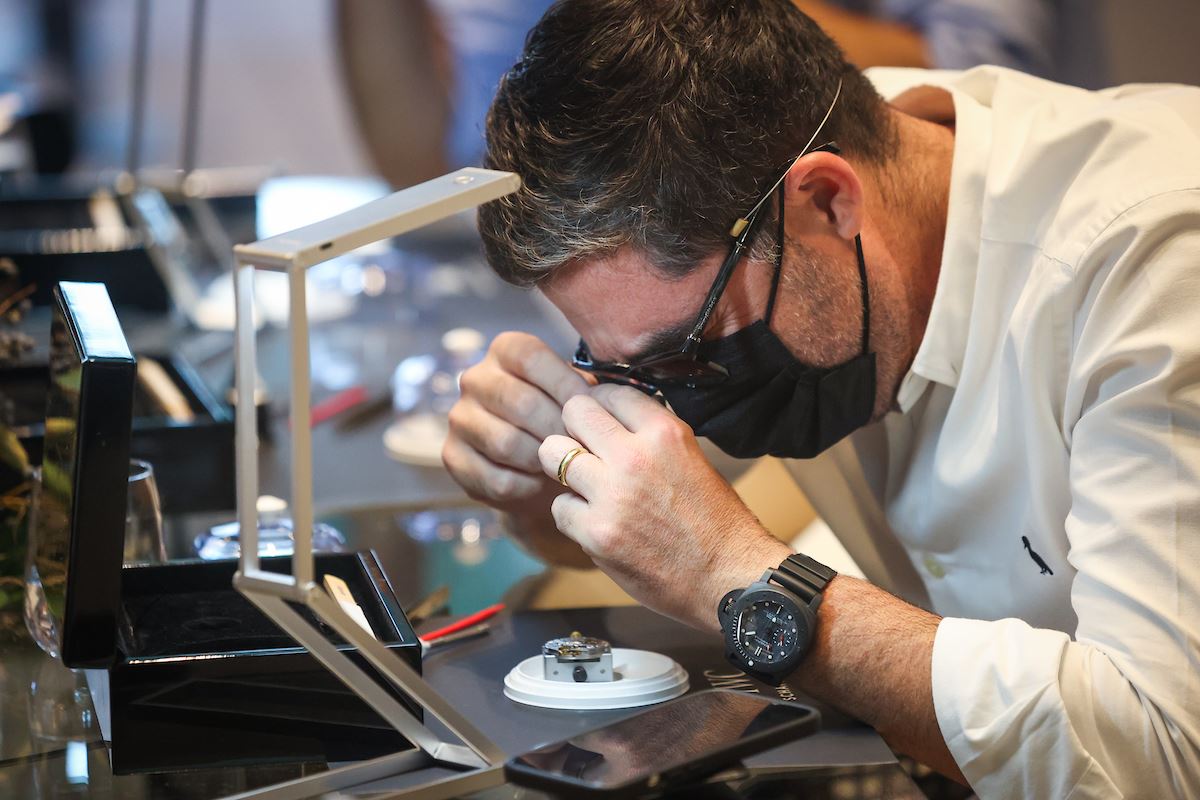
(803, 576)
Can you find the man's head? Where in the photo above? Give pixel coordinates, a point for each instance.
(642, 130)
(653, 124)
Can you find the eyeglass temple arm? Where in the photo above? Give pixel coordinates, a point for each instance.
(723, 275)
(742, 229)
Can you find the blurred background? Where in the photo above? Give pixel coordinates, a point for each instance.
(358, 88)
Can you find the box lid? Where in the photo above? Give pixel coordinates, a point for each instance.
(79, 530)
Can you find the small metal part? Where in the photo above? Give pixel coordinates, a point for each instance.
(433, 603)
(577, 658)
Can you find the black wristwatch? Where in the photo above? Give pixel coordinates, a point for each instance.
(769, 625)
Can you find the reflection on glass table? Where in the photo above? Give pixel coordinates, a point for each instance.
(460, 546)
(275, 538)
(50, 743)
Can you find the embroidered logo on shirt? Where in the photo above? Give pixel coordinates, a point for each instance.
(1036, 558)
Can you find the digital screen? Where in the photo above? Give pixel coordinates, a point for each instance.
(669, 735)
(55, 501)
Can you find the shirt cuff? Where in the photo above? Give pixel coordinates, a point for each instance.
(998, 703)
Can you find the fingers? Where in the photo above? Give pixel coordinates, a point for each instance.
(610, 420)
(512, 399)
(529, 358)
(584, 473)
(588, 377)
(501, 442)
(570, 516)
(633, 409)
(593, 426)
(484, 480)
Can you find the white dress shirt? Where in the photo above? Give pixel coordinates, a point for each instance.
(1055, 396)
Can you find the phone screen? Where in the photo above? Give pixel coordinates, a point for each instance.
(694, 728)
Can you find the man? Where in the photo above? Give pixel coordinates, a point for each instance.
(981, 311)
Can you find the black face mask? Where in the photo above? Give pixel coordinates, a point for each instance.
(771, 404)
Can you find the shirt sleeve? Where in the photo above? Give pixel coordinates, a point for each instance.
(1113, 711)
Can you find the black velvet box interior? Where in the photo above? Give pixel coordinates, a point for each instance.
(192, 608)
(204, 678)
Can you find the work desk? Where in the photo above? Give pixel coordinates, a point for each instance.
(50, 744)
(49, 739)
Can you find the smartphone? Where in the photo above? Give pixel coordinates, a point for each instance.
(667, 746)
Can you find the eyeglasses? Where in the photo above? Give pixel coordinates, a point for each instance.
(684, 366)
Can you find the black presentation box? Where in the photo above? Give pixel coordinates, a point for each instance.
(184, 671)
(55, 231)
(192, 460)
(201, 677)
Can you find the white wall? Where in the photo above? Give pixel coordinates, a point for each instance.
(272, 91)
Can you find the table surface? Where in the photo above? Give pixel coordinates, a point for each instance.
(49, 740)
(50, 744)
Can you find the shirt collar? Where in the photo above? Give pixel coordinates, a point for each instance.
(940, 356)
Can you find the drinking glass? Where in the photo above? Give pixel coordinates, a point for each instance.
(46, 559)
(143, 517)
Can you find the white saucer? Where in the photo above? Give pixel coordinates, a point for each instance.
(417, 439)
(642, 678)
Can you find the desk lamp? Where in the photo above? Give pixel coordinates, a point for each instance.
(294, 253)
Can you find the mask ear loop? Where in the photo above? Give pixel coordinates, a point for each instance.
(866, 295)
(778, 261)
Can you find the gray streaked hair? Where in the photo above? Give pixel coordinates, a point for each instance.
(653, 124)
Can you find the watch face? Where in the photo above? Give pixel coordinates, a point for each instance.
(766, 632)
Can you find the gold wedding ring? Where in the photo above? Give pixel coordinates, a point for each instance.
(567, 458)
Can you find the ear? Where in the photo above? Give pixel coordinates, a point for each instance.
(822, 191)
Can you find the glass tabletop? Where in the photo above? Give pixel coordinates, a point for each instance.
(50, 741)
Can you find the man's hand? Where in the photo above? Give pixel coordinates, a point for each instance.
(654, 515)
(650, 510)
(510, 402)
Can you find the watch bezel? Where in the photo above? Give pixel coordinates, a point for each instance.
(774, 672)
